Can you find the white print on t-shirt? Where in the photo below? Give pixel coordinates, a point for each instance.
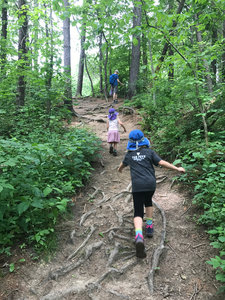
(138, 157)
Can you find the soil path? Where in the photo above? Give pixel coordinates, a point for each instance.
(96, 259)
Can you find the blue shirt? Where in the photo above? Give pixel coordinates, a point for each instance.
(116, 77)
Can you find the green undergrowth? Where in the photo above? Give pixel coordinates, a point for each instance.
(38, 175)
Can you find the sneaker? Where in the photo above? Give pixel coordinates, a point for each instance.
(140, 247)
(111, 149)
(114, 153)
(149, 230)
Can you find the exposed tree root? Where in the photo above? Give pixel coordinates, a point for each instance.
(83, 244)
(119, 195)
(93, 119)
(128, 110)
(85, 216)
(114, 254)
(158, 250)
(161, 179)
(122, 237)
(118, 295)
(70, 267)
(113, 271)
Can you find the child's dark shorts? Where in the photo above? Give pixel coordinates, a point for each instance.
(140, 200)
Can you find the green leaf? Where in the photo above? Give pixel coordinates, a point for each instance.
(37, 203)
(47, 191)
(220, 277)
(177, 161)
(11, 267)
(135, 41)
(221, 239)
(22, 207)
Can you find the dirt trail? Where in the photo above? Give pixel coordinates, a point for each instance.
(96, 259)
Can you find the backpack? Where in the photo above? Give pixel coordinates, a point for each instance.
(112, 79)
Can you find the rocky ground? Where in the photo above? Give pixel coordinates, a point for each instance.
(96, 256)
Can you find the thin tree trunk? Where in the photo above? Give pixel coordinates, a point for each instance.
(89, 76)
(81, 62)
(49, 59)
(67, 61)
(223, 55)
(4, 34)
(153, 73)
(171, 66)
(214, 62)
(105, 68)
(22, 53)
(135, 56)
(100, 62)
(35, 47)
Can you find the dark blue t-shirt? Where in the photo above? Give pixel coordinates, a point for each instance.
(115, 79)
(142, 171)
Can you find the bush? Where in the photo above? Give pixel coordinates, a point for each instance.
(37, 179)
(206, 169)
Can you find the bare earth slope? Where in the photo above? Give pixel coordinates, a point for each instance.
(96, 258)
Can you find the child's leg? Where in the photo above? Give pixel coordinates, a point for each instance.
(138, 222)
(115, 149)
(149, 212)
(111, 148)
(149, 227)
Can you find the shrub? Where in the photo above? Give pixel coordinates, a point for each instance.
(37, 179)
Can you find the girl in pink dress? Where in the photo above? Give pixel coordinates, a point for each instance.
(113, 123)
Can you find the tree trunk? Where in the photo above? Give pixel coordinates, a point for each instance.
(4, 34)
(49, 59)
(223, 55)
(135, 56)
(67, 61)
(153, 73)
(100, 62)
(171, 66)
(81, 62)
(213, 64)
(105, 69)
(22, 53)
(89, 76)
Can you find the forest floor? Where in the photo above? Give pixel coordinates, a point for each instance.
(96, 255)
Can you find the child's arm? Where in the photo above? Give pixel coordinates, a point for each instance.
(122, 125)
(121, 167)
(107, 125)
(167, 165)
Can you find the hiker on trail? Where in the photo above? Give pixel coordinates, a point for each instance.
(114, 80)
(141, 159)
(113, 123)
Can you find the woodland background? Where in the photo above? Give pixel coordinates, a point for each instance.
(171, 58)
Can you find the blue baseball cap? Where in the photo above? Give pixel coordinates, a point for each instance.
(136, 140)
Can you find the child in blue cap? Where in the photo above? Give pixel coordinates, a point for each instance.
(141, 160)
(113, 123)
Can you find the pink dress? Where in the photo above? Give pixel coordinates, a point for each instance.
(113, 132)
